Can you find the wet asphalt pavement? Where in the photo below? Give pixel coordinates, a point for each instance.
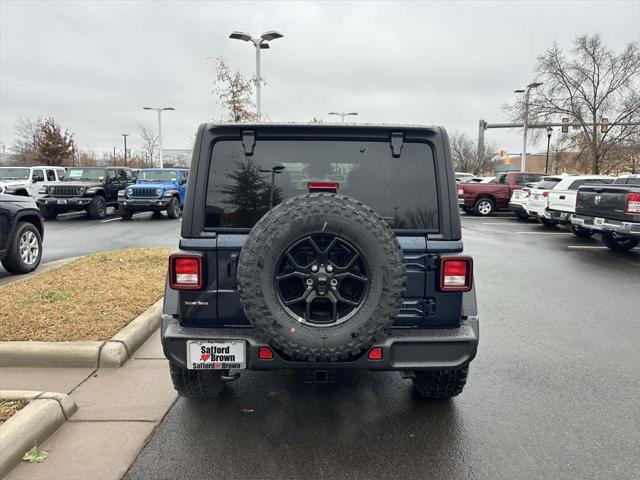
(553, 392)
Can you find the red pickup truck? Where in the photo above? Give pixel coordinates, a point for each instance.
(485, 198)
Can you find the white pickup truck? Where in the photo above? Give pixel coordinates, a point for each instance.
(562, 199)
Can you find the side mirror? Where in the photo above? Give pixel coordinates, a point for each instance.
(183, 180)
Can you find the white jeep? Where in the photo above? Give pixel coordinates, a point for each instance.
(28, 181)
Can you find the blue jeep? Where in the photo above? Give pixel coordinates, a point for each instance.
(156, 189)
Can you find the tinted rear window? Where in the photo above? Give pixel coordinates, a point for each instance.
(402, 190)
(548, 183)
(590, 181)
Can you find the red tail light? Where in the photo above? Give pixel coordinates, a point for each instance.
(323, 186)
(456, 274)
(633, 203)
(185, 272)
(265, 353)
(375, 353)
(545, 193)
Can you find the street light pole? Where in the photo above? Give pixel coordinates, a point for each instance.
(546, 163)
(125, 135)
(523, 161)
(343, 114)
(274, 170)
(159, 110)
(259, 44)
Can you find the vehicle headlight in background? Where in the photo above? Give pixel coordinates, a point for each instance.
(158, 191)
(81, 190)
(129, 191)
(51, 190)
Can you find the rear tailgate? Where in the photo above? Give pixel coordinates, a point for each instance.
(423, 306)
(562, 200)
(607, 201)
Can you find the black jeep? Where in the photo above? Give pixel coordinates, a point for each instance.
(320, 248)
(93, 189)
(21, 233)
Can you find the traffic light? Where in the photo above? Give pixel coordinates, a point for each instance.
(565, 125)
(604, 125)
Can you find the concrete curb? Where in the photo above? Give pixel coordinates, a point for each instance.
(110, 353)
(45, 412)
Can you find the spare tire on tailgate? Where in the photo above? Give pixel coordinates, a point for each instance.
(321, 276)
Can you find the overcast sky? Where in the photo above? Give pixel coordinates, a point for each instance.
(92, 65)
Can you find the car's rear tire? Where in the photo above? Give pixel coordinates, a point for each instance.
(619, 243)
(48, 213)
(545, 222)
(25, 250)
(440, 384)
(581, 232)
(173, 210)
(197, 384)
(521, 215)
(125, 212)
(312, 321)
(98, 207)
(484, 207)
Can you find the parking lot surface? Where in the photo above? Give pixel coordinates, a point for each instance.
(552, 393)
(74, 234)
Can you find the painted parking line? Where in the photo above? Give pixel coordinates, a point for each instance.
(545, 233)
(587, 247)
(519, 224)
(111, 220)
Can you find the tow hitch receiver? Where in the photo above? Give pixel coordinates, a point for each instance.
(320, 376)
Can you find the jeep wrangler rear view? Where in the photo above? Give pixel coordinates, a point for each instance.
(320, 248)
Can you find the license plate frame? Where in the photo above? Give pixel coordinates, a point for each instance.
(227, 354)
(62, 201)
(598, 221)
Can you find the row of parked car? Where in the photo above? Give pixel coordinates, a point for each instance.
(29, 194)
(588, 203)
(94, 189)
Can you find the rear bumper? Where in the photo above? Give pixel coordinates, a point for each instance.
(416, 349)
(538, 211)
(139, 205)
(517, 207)
(562, 217)
(624, 228)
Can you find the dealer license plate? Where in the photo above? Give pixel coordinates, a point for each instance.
(598, 221)
(62, 202)
(216, 355)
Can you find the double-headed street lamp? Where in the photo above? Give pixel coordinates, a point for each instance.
(159, 110)
(343, 114)
(523, 161)
(259, 43)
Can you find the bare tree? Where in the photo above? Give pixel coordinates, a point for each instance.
(587, 84)
(150, 142)
(465, 154)
(24, 146)
(234, 92)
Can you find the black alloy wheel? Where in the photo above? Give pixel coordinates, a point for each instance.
(322, 279)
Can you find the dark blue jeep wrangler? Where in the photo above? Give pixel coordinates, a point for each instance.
(320, 248)
(155, 190)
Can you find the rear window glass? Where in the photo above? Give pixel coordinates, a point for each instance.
(402, 190)
(590, 181)
(627, 181)
(548, 184)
